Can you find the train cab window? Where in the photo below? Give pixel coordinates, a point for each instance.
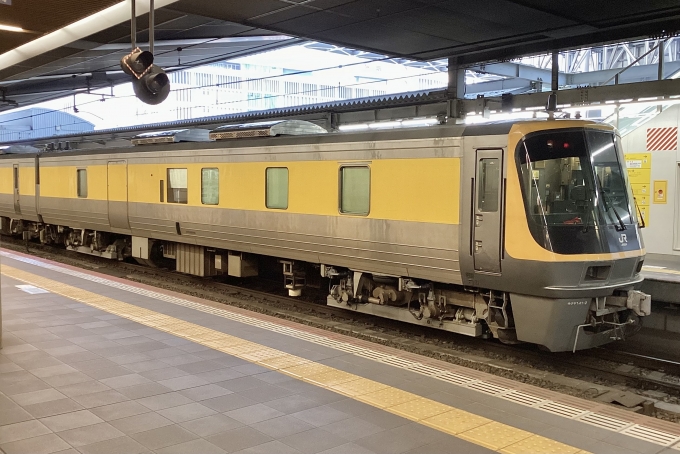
(177, 186)
(355, 190)
(82, 183)
(277, 188)
(488, 178)
(210, 186)
(575, 191)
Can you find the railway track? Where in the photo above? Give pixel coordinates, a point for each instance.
(608, 366)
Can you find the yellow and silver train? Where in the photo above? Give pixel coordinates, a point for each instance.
(524, 231)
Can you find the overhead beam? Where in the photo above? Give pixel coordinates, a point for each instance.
(83, 28)
(509, 69)
(606, 94)
(430, 105)
(569, 97)
(633, 74)
(503, 85)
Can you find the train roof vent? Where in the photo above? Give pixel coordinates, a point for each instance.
(267, 129)
(16, 149)
(175, 135)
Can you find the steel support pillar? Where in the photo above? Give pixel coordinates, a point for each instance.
(133, 25)
(662, 51)
(555, 80)
(152, 24)
(456, 88)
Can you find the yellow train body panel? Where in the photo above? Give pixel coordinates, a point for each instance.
(116, 182)
(61, 182)
(27, 181)
(400, 188)
(6, 180)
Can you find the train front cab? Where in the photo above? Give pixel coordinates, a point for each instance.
(553, 225)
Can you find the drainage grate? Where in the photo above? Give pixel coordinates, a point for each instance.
(604, 422)
(651, 435)
(562, 410)
(522, 398)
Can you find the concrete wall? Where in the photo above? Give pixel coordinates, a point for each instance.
(662, 235)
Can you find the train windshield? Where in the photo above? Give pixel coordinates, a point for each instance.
(575, 189)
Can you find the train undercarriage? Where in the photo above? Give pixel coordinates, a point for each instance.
(469, 311)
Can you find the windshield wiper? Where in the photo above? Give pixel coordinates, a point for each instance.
(608, 206)
(586, 226)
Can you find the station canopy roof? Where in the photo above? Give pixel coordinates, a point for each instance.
(47, 60)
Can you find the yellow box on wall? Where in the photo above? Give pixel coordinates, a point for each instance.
(639, 175)
(660, 191)
(644, 211)
(638, 160)
(642, 189)
(641, 200)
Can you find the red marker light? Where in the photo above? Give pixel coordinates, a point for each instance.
(566, 144)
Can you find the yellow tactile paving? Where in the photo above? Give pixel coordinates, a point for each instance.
(459, 423)
(282, 362)
(331, 378)
(388, 397)
(534, 445)
(263, 354)
(307, 369)
(660, 270)
(419, 409)
(455, 421)
(495, 435)
(358, 387)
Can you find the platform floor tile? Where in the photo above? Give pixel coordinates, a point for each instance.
(243, 390)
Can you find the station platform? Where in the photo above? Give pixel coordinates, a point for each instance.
(662, 278)
(95, 364)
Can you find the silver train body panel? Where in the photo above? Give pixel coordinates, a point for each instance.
(400, 248)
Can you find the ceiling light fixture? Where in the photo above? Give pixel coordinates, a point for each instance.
(10, 28)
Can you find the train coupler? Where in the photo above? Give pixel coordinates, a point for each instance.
(639, 302)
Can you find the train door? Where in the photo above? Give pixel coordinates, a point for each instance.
(15, 178)
(487, 206)
(117, 191)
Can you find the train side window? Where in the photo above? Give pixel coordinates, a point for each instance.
(162, 194)
(210, 186)
(16, 178)
(177, 186)
(82, 183)
(488, 179)
(277, 188)
(355, 190)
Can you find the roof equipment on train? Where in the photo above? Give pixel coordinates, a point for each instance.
(267, 129)
(175, 135)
